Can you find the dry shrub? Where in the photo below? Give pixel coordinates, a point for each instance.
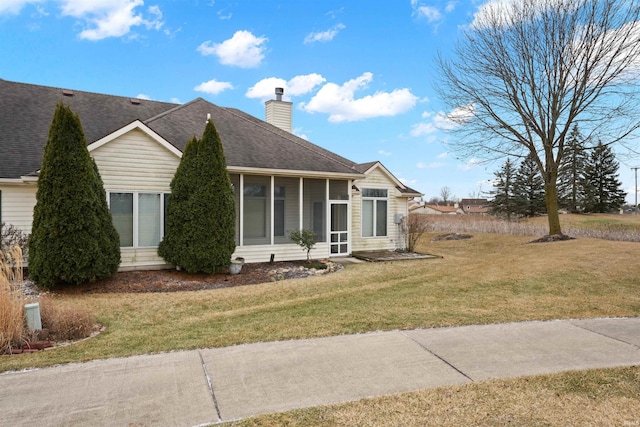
(12, 320)
(491, 224)
(414, 227)
(67, 323)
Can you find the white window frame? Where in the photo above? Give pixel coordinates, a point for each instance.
(375, 200)
(136, 216)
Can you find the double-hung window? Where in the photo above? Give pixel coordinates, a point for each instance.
(138, 217)
(374, 212)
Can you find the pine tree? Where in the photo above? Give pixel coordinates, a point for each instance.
(200, 234)
(503, 203)
(73, 239)
(601, 185)
(528, 189)
(570, 172)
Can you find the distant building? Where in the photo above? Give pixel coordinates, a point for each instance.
(435, 209)
(475, 206)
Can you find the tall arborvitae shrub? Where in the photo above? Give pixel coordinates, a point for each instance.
(173, 247)
(73, 239)
(200, 235)
(215, 203)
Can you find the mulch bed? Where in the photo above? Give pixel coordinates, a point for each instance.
(552, 238)
(451, 236)
(173, 280)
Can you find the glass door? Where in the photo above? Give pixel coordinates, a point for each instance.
(339, 243)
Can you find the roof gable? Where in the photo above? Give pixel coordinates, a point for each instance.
(128, 128)
(367, 168)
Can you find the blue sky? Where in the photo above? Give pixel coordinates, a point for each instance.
(360, 74)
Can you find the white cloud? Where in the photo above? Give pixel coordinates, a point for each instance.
(298, 85)
(299, 132)
(471, 163)
(408, 181)
(176, 100)
(442, 121)
(213, 87)
(443, 155)
(423, 129)
(432, 165)
(430, 13)
(503, 12)
(342, 105)
(450, 7)
(111, 18)
(384, 153)
(324, 36)
(12, 7)
(143, 96)
(242, 50)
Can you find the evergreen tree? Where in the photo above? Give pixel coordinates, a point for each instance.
(73, 239)
(528, 189)
(503, 203)
(200, 235)
(179, 212)
(601, 185)
(570, 172)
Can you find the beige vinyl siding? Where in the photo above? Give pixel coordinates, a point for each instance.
(395, 204)
(278, 113)
(136, 162)
(290, 252)
(18, 202)
(141, 259)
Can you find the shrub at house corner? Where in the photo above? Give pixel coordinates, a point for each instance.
(73, 239)
(200, 234)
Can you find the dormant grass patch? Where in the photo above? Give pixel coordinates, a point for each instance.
(597, 226)
(607, 397)
(486, 279)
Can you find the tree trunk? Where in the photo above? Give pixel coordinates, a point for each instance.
(551, 199)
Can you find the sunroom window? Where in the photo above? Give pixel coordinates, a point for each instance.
(374, 212)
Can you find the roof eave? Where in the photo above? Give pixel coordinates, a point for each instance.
(294, 173)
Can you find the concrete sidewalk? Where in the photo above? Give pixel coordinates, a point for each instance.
(190, 388)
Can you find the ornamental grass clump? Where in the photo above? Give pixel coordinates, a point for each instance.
(65, 323)
(11, 299)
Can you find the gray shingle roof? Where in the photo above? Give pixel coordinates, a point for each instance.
(26, 112)
(247, 141)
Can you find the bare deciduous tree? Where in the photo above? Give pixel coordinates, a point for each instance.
(526, 71)
(445, 195)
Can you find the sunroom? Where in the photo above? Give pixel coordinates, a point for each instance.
(269, 207)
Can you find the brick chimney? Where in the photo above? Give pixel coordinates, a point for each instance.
(279, 111)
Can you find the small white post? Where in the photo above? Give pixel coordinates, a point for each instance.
(33, 316)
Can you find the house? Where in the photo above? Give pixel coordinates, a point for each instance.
(475, 206)
(281, 182)
(435, 209)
